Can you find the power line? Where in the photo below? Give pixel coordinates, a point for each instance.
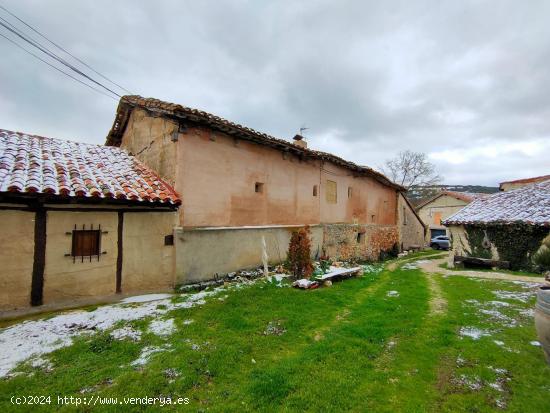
(51, 54)
(56, 68)
(64, 50)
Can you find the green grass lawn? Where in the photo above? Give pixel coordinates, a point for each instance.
(351, 347)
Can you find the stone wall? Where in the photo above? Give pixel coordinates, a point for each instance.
(356, 241)
(515, 243)
(411, 229)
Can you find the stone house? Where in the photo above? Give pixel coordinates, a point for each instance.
(441, 206)
(239, 186)
(412, 231)
(507, 226)
(80, 224)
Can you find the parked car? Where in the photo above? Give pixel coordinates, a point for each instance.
(441, 242)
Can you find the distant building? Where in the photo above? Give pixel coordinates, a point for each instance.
(518, 183)
(441, 206)
(507, 226)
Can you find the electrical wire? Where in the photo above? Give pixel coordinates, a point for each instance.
(64, 50)
(56, 68)
(46, 51)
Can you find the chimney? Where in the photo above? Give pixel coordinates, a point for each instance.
(300, 141)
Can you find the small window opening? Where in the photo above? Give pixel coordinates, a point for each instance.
(86, 243)
(169, 240)
(314, 190)
(372, 218)
(360, 237)
(350, 191)
(259, 187)
(404, 216)
(331, 192)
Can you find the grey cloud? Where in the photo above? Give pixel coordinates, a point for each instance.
(369, 78)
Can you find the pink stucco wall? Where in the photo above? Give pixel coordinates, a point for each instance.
(215, 174)
(216, 177)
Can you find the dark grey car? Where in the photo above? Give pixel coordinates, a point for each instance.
(441, 242)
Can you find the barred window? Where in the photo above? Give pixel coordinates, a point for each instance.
(86, 242)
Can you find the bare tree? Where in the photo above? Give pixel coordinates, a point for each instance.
(411, 169)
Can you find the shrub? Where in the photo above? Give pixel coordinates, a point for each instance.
(299, 254)
(542, 256)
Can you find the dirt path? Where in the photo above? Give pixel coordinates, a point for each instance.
(432, 267)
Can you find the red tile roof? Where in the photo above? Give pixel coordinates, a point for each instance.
(529, 204)
(528, 180)
(186, 115)
(32, 164)
(463, 196)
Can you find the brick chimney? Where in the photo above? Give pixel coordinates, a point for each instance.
(300, 141)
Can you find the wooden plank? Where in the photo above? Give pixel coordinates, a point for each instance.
(482, 262)
(37, 283)
(119, 253)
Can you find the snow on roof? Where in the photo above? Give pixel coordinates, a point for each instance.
(529, 204)
(32, 164)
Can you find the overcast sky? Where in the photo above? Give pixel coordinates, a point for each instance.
(468, 83)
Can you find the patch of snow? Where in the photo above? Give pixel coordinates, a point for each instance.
(522, 296)
(499, 303)
(535, 343)
(528, 312)
(497, 316)
(126, 332)
(30, 338)
(145, 298)
(163, 328)
(41, 363)
(526, 284)
(372, 269)
(392, 293)
(146, 354)
(473, 383)
(498, 343)
(188, 321)
(496, 385)
(473, 332)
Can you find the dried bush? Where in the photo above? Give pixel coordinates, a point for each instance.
(299, 261)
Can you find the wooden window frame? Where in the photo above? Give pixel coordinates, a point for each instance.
(86, 243)
(331, 193)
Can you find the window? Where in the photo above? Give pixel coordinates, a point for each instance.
(360, 237)
(168, 240)
(86, 242)
(259, 187)
(331, 192)
(373, 218)
(314, 190)
(350, 191)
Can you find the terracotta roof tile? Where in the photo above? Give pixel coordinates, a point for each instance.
(35, 164)
(528, 180)
(529, 204)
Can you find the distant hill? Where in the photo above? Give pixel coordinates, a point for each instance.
(418, 194)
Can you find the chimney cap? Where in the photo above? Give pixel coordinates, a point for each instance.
(298, 137)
